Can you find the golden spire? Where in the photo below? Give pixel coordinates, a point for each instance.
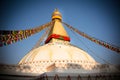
(57, 32)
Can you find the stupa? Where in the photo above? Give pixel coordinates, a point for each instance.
(57, 50)
(58, 59)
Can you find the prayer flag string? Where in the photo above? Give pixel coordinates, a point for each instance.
(8, 37)
(100, 42)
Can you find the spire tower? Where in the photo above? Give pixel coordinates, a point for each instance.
(57, 32)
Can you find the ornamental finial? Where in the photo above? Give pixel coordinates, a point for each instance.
(56, 15)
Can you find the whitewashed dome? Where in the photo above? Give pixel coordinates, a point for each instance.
(57, 51)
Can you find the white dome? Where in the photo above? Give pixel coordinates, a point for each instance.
(57, 51)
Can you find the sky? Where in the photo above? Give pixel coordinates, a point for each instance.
(97, 18)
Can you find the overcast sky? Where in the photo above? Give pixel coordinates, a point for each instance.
(98, 18)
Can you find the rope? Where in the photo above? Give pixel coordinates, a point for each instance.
(89, 48)
(42, 38)
(100, 42)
